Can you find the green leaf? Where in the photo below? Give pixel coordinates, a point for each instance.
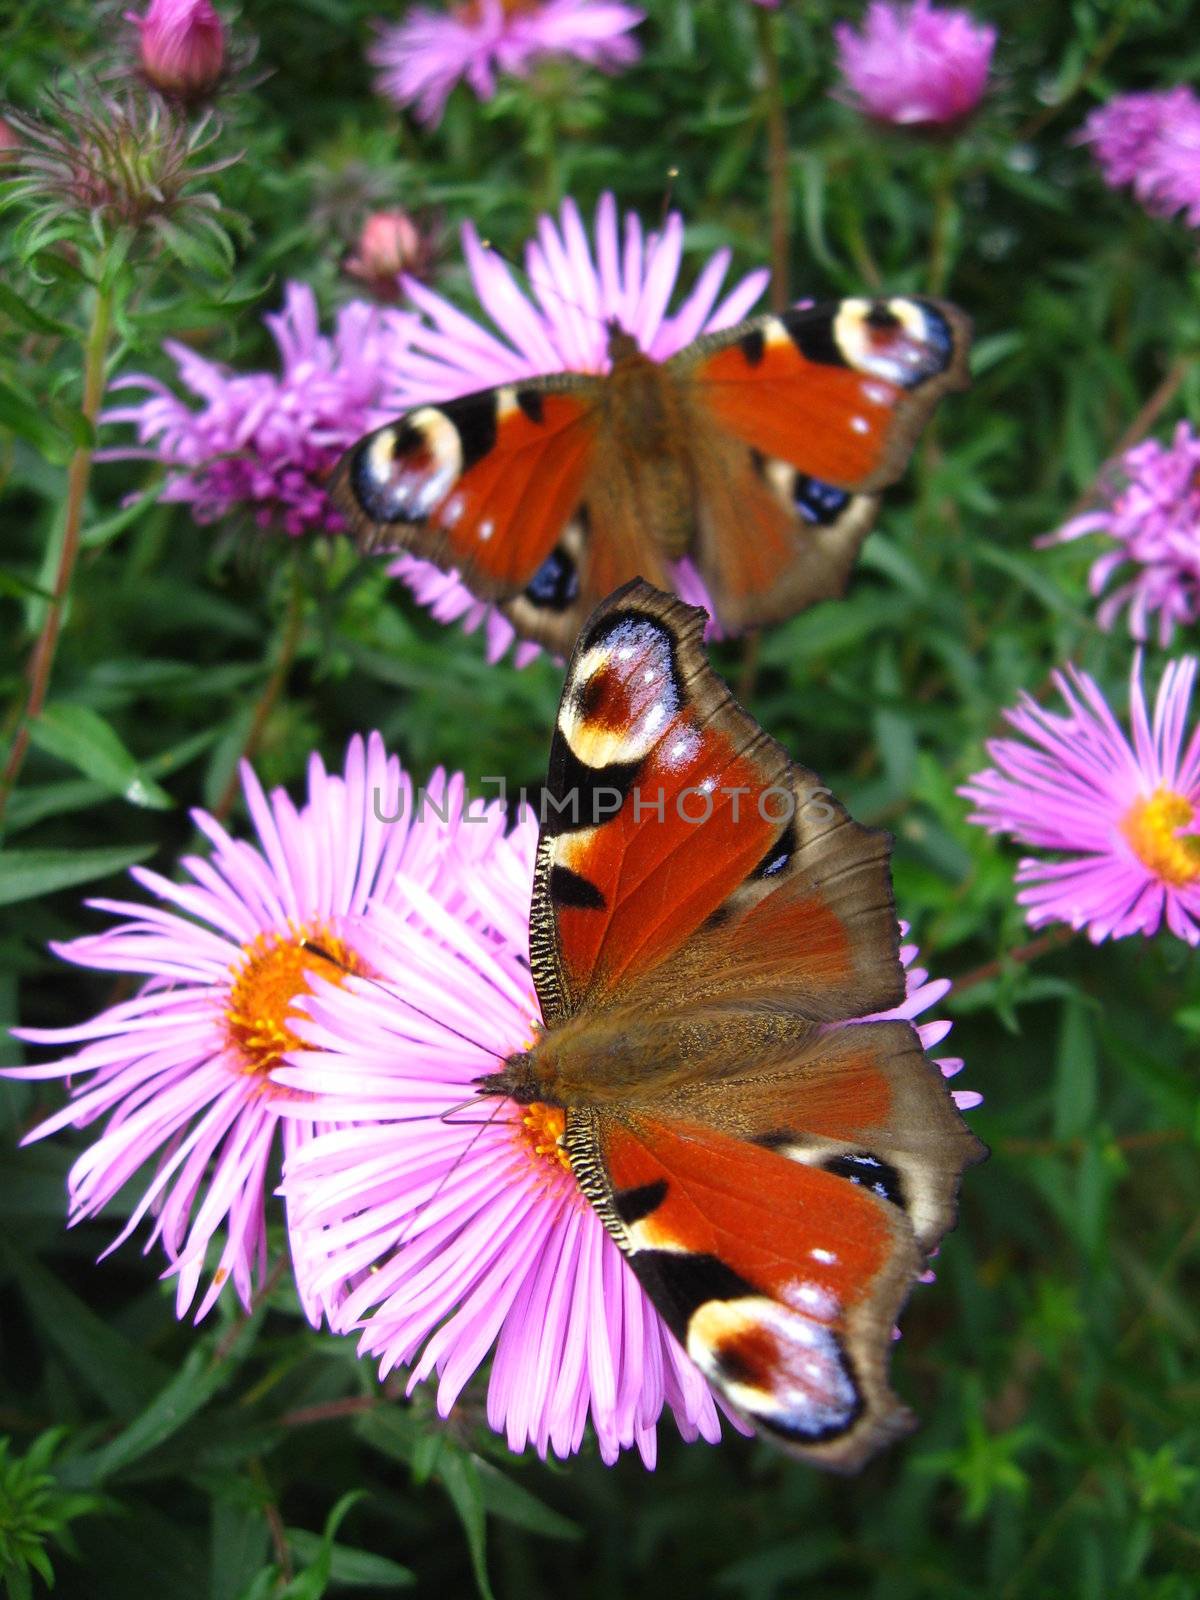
(311, 1584)
(202, 1374)
(512, 1502)
(459, 1475)
(81, 736)
(357, 1569)
(18, 588)
(25, 874)
(122, 1376)
(1075, 1075)
(20, 311)
(108, 528)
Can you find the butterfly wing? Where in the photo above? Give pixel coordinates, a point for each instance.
(489, 484)
(801, 419)
(681, 846)
(781, 1281)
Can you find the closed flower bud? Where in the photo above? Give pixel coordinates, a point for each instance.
(181, 47)
(389, 244)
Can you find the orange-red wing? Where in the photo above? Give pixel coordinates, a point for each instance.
(486, 484)
(840, 391)
(782, 1281)
(674, 829)
(860, 1101)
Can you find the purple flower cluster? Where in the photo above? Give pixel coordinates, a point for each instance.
(1152, 512)
(1151, 142)
(264, 442)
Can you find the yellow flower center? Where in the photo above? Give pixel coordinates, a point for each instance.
(1152, 828)
(471, 11)
(272, 973)
(544, 1127)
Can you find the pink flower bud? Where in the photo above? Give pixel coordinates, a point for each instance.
(9, 142)
(389, 244)
(182, 47)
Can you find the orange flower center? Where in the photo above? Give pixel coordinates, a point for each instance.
(544, 1127)
(273, 972)
(1152, 829)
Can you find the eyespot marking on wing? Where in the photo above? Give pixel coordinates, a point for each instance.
(555, 584)
(625, 690)
(873, 1173)
(900, 341)
(785, 1367)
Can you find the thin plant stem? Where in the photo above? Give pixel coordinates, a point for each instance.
(778, 196)
(41, 662)
(942, 235)
(284, 650)
(1018, 956)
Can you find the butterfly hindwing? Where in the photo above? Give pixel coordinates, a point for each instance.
(781, 1281)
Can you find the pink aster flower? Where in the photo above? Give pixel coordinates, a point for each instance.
(422, 58)
(181, 1070)
(577, 287)
(444, 1227)
(181, 45)
(1120, 815)
(263, 442)
(917, 65)
(1152, 512)
(1152, 143)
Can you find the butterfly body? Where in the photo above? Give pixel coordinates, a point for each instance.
(756, 453)
(711, 939)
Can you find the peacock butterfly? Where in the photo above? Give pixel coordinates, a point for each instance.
(707, 923)
(757, 452)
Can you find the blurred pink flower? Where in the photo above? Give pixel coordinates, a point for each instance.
(267, 443)
(181, 46)
(422, 58)
(182, 1070)
(916, 64)
(445, 1227)
(1151, 141)
(577, 287)
(1153, 514)
(1122, 815)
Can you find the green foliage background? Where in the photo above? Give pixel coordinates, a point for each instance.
(1055, 1361)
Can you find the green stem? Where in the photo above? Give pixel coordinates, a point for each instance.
(41, 662)
(945, 216)
(284, 651)
(778, 196)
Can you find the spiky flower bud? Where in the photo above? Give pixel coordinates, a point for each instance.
(116, 161)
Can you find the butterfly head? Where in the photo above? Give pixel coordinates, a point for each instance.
(622, 346)
(518, 1080)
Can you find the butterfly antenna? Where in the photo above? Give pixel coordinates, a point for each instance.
(326, 955)
(462, 1155)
